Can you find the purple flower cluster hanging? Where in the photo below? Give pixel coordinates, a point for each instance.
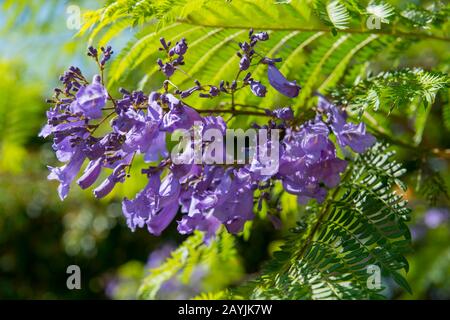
(204, 195)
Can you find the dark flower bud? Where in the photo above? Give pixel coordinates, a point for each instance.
(124, 91)
(92, 52)
(163, 43)
(245, 46)
(178, 61)
(222, 86)
(106, 54)
(166, 85)
(168, 69)
(188, 92)
(244, 63)
(284, 113)
(181, 47)
(261, 36)
(260, 201)
(270, 61)
(258, 88)
(247, 77)
(214, 91)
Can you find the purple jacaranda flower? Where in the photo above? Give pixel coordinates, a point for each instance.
(46, 130)
(167, 205)
(235, 201)
(350, 134)
(328, 171)
(202, 222)
(308, 160)
(118, 175)
(315, 140)
(90, 99)
(156, 205)
(236, 210)
(323, 105)
(153, 97)
(306, 187)
(213, 122)
(67, 173)
(66, 144)
(138, 210)
(434, 217)
(52, 115)
(91, 173)
(145, 137)
(284, 113)
(356, 137)
(217, 197)
(258, 88)
(207, 195)
(110, 143)
(280, 83)
(69, 133)
(180, 116)
(347, 133)
(244, 63)
(264, 160)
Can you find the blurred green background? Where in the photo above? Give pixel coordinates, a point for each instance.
(40, 236)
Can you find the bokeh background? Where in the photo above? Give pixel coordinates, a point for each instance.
(40, 236)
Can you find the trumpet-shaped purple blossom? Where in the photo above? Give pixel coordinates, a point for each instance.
(289, 88)
(90, 99)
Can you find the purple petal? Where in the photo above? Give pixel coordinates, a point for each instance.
(281, 84)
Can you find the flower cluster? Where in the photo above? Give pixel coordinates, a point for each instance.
(208, 195)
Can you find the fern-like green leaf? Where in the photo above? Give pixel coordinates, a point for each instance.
(361, 227)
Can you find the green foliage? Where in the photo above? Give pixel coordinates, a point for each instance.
(390, 90)
(431, 185)
(333, 13)
(361, 224)
(14, 131)
(216, 258)
(312, 53)
(430, 265)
